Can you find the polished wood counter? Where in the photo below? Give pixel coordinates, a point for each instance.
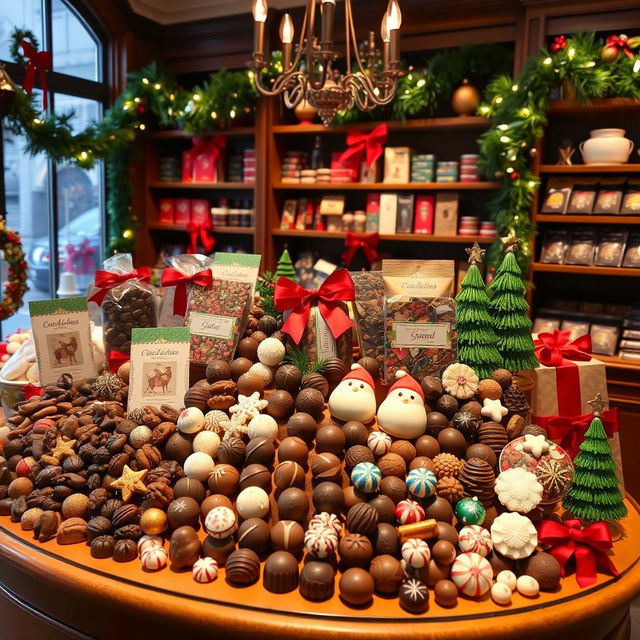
(52, 591)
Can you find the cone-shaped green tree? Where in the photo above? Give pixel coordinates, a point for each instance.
(285, 266)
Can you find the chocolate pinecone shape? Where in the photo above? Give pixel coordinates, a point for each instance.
(447, 465)
(514, 399)
(450, 489)
(478, 479)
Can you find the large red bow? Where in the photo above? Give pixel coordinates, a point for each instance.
(552, 348)
(337, 288)
(588, 546)
(214, 145)
(200, 231)
(368, 242)
(116, 359)
(358, 143)
(38, 61)
(173, 278)
(106, 280)
(569, 431)
(621, 43)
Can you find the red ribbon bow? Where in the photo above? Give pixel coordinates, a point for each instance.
(38, 61)
(337, 288)
(358, 143)
(588, 546)
(552, 348)
(214, 146)
(558, 44)
(173, 278)
(200, 231)
(79, 260)
(368, 242)
(621, 43)
(106, 280)
(116, 359)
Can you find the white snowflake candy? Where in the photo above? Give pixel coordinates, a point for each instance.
(472, 574)
(475, 538)
(460, 381)
(248, 407)
(518, 490)
(514, 536)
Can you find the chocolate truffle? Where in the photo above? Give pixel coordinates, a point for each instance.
(328, 497)
(370, 365)
(330, 439)
(385, 539)
(414, 596)
(316, 581)
(443, 552)
(239, 366)
(405, 449)
(335, 369)
(466, 423)
(446, 593)
(385, 507)
(287, 535)
(436, 572)
(432, 388)
(500, 563)
(387, 574)
(352, 496)
(447, 404)
(534, 430)
(213, 501)
(191, 488)
(478, 479)
(436, 421)
(452, 441)
(422, 462)
(242, 567)
(448, 532)
(280, 572)
(310, 401)
(259, 336)
(293, 504)
(178, 447)
(254, 534)
(295, 449)
(362, 518)
(503, 377)
(224, 479)
(125, 550)
(218, 370)
(356, 454)
(544, 568)
(231, 451)
(394, 487)
(326, 466)
(197, 395)
(427, 446)
(355, 433)
(289, 474)
(355, 551)
(184, 547)
(302, 425)
(483, 452)
(260, 451)
(182, 512)
(247, 348)
(489, 389)
(218, 548)
(255, 475)
(439, 509)
(102, 547)
(288, 378)
(494, 435)
(267, 325)
(356, 586)
(473, 407)
(316, 381)
(98, 526)
(391, 464)
(280, 404)
(250, 382)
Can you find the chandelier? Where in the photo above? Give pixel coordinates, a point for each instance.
(311, 75)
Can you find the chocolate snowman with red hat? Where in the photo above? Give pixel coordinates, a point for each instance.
(402, 413)
(354, 398)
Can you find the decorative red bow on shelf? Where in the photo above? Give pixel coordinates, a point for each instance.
(358, 143)
(116, 359)
(200, 231)
(37, 62)
(587, 546)
(553, 348)
(173, 278)
(621, 43)
(79, 260)
(214, 145)
(106, 280)
(559, 43)
(368, 242)
(290, 296)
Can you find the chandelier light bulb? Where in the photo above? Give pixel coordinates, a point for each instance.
(333, 2)
(286, 29)
(259, 10)
(395, 15)
(384, 27)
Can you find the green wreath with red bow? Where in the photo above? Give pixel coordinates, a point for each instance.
(16, 285)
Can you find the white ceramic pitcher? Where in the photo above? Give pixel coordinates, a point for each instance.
(606, 146)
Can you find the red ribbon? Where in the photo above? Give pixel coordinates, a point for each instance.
(587, 546)
(621, 43)
(337, 288)
(38, 62)
(558, 44)
(214, 146)
(173, 278)
(358, 143)
(116, 359)
(368, 242)
(106, 280)
(79, 260)
(552, 348)
(31, 391)
(200, 231)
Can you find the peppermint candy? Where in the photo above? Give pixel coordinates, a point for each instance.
(472, 574)
(379, 442)
(154, 558)
(409, 511)
(320, 543)
(366, 477)
(416, 553)
(147, 542)
(326, 520)
(205, 570)
(475, 538)
(421, 482)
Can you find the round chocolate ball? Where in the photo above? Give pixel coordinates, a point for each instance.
(289, 474)
(483, 452)
(247, 348)
(544, 568)
(250, 382)
(267, 325)
(447, 404)
(213, 501)
(197, 395)
(189, 487)
(254, 534)
(427, 446)
(280, 404)
(255, 475)
(432, 388)
(328, 497)
(391, 464)
(394, 487)
(224, 479)
(259, 336)
(280, 572)
(302, 425)
(293, 504)
(293, 448)
(385, 539)
(473, 407)
(316, 381)
(326, 467)
(370, 365)
(387, 574)
(405, 449)
(182, 512)
(218, 370)
(444, 552)
(316, 581)
(232, 451)
(439, 509)
(218, 548)
(330, 439)
(447, 531)
(466, 423)
(355, 433)
(446, 593)
(260, 451)
(503, 377)
(288, 378)
(436, 572)
(500, 563)
(356, 586)
(422, 462)
(178, 447)
(239, 366)
(310, 401)
(356, 454)
(452, 441)
(287, 535)
(352, 496)
(355, 550)
(385, 507)
(436, 421)
(362, 518)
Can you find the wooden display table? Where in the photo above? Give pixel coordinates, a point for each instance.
(53, 592)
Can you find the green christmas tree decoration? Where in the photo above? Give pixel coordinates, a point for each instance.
(508, 309)
(595, 493)
(476, 338)
(285, 266)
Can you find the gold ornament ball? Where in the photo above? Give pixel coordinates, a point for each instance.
(123, 372)
(465, 99)
(305, 112)
(153, 521)
(609, 54)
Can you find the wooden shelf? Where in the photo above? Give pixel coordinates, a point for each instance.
(570, 218)
(396, 237)
(616, 362)
(455, 123)
(223, 186)
(585, 270)
(589, 168)
(601, 107)
(383, 186)
(182, 134)
(244, 231)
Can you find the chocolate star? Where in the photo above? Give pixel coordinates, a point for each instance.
(63, 449)
(475, 253)
(598, 405)
(130, 482)
(510, 242)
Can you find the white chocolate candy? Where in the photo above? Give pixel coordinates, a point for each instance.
(402, 414)
(220, 522)
(207, 442)
(528, 586)
(507, 577)
(4, 432)
(12, 347)
(17, 370)
(501, 593)
(191, 420)
(154, 558)
(263, 426)
(199, 465)
(353, 399)
(271, 352)
(140, 436)
(205, 570)
(252, 502)
(33, 374)
(493, 409)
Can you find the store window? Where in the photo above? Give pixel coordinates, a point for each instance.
(58, 208)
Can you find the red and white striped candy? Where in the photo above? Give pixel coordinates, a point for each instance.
(379, 442)
(416, 553)
(409, 511)
(205, 570)
(472, 574)
(475, 538)
(148, 542)
(154, 558)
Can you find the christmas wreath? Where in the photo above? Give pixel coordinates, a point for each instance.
(16, 285)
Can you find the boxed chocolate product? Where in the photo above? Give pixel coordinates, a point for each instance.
(446, 214)
(556, 200)
(609, 197)
(420, 317)
(631, 200)
(368, 311)
(582, 199)
(632, 253)
(397, 165)
(424, 214)
(404, 217)
(604, 339)
(544, 324)
(576, 328)
(388, 213)
(554, 246)
(582, 248)
(610, 249)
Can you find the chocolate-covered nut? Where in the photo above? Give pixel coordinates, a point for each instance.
(102, 547)
(18, 507)
(46, 526)
(125, 550)
(72, 531)
(110, 507)
(98, 526)
(128, 532)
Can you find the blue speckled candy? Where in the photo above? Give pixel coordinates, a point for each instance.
(422, 482)
(470, 511)
(366, 477)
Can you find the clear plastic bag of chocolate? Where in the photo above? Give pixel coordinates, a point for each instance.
(127, 300)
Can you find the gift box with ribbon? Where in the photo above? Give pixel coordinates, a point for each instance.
(318, 319)
(567, 378)
(363, 153)
(204, 161)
